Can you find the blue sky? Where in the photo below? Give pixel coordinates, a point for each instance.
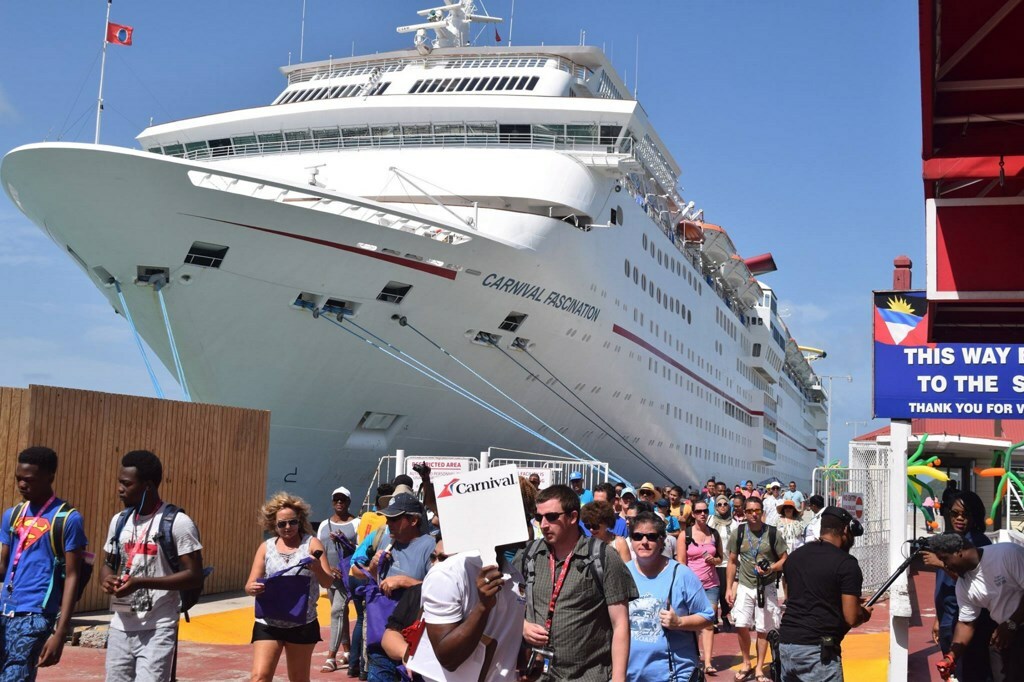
(796, 123)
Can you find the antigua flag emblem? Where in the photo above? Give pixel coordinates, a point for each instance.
(119, 34)
(898, 319)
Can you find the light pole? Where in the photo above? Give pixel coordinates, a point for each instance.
(855, 422)
(828, 416)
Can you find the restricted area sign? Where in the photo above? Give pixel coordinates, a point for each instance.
(853, 503)
(441, 468)
(547, 476)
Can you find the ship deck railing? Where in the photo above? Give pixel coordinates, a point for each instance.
(311, 143)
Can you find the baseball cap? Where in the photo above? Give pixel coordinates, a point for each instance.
(662, 503)
(402, 503)
(774, 484)
(576, 476)
(628, 490)
(342, 490)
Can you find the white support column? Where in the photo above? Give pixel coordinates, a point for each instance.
(399, 463)
(899, 595)
(485, 459)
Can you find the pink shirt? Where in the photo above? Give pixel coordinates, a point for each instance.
(695, 554)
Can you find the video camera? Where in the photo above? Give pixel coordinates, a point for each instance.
(762, 580)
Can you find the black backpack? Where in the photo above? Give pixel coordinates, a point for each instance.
(59, 574)
(595, 562)
(165, 539)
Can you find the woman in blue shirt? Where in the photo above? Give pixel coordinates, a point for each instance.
(671, 608)
(965, 515)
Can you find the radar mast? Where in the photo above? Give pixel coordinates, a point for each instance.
(450, 23)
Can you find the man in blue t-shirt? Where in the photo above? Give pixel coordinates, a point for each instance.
(796, 496)
(39, 588)
(576, 483)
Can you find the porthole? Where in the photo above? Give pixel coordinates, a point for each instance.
(645, 242)
(643, 281)
(627, 267)
(659, 295)
(635, 275)
(659, 256)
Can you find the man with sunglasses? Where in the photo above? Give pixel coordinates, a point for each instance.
(757, 553)
(577, 596)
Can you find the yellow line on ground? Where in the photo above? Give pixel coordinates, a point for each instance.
(865, 657)
(235, 626)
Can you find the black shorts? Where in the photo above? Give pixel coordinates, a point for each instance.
(300, 634)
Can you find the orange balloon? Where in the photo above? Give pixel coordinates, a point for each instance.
(937, 463)
(988, 522)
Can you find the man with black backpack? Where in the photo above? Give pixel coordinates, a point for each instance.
(41, 560)
(577, 598)
(757, 553)
(153, 569)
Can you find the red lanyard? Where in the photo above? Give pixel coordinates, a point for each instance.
(23, 530)
(556, 589)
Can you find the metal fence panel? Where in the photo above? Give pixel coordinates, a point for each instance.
(868, 475)
(560, 467)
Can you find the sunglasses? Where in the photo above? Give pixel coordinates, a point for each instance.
(722, 504)
(700, 511)
(593, 527)
(438, 556)
(650, 537)
(751, 511)
(954, 514)
(289, 522)
(550, 517)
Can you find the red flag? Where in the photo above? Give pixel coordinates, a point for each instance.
(497, 37)
(118, 34)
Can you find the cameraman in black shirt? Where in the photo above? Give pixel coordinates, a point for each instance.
(824, 584)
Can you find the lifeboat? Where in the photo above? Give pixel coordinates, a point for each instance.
(735, 273)
(750, 294)
(690, 232)
(718, 247)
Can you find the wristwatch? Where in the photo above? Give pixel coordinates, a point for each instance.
(1011, 625)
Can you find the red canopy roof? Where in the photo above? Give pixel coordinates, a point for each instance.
(1008, 429)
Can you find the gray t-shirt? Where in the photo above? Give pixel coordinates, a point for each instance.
(751, 547)
(323, 533)
(412, 559)
(149, 609)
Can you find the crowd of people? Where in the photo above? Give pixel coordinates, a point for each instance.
(614, 583)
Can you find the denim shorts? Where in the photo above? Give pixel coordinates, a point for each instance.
(712, 595)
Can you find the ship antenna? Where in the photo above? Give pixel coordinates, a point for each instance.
(450, 24)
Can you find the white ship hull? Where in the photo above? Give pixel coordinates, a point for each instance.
(553, 216)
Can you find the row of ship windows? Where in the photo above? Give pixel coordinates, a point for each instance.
(725, 323)
(475, 84)
(497, 62)
(335, 92)
(673, 265)
(669, 303)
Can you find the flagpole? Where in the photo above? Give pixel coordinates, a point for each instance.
(511, 19)
(103, 66)
(302, 30)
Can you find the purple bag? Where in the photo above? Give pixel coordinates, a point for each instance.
(285, 597)
(378, 609)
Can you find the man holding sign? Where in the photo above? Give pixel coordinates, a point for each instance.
(472, 608)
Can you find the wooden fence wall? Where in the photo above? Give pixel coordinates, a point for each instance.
(214, 460)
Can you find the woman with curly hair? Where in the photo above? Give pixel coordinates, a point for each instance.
(286, 518)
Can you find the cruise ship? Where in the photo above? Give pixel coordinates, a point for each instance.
(440, 249)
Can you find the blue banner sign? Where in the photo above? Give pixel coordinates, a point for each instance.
(914, 378)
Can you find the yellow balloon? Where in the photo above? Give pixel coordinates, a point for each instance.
(931, 472)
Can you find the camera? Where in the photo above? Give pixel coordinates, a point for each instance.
(538, 663)
(765, 566)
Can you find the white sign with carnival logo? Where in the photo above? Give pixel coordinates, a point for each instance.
(547, 476)
(481, 510)
(853, 503)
